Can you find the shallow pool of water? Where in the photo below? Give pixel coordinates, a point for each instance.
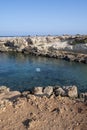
(22, 72)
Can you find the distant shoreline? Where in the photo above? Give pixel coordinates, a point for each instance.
(43, 35)
(67, 47)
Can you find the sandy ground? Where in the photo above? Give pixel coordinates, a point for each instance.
(42, 113)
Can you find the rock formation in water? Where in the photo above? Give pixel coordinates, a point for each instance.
(71, 48)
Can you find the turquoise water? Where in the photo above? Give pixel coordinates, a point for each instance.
(22, 72)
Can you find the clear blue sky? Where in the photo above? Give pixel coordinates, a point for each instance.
(31, 17)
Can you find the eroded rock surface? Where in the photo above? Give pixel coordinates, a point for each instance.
(71, 48)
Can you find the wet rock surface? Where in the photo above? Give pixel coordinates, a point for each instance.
(58, 111)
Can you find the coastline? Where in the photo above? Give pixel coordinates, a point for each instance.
(50, 107)
(70, 48)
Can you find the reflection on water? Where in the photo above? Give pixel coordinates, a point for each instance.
(21, 72)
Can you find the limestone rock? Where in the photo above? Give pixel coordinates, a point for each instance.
(38, 91)
(25, 93)
(83, 96)
(72, 92)
(51, 46)
(48, 91)
(4, 89)
(13, 95)
(59, 91)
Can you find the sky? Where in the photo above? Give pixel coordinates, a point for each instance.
(43, 17)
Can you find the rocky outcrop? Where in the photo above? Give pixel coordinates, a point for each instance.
(37, 112)
(69, 91)
(41, 91)
(37, 108)
(65, 91)
(71, 48)
(7, 96)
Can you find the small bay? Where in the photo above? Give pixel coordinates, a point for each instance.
(22, 72)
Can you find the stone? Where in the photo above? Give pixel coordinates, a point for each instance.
(83, 96)
(4, 89)
(9, 44)
(69, 57)
(85, 60)
(29, 41)
(72, 92)
(12, 95)
(38, 91)
(25, 93)
(59, 91)
(31, 97)
(48, 90)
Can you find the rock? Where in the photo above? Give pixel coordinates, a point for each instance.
(59, 91)
(83, 96)
(3, 104)
(29, 41)
(38, 91)
(31, 97)
(10, 95)
(48, 91)
(25, 93)
(85, 60)
(72, 92)
(69, 57)
(13, 95)
(51, 46)
(9, 44)
(4, 89)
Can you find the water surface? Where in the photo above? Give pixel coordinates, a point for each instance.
(22, 72)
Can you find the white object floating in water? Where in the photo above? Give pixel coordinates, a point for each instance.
(38, 69)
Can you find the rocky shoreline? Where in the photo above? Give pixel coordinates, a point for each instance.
(43, 109)
(49, 91)
(70, 48)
